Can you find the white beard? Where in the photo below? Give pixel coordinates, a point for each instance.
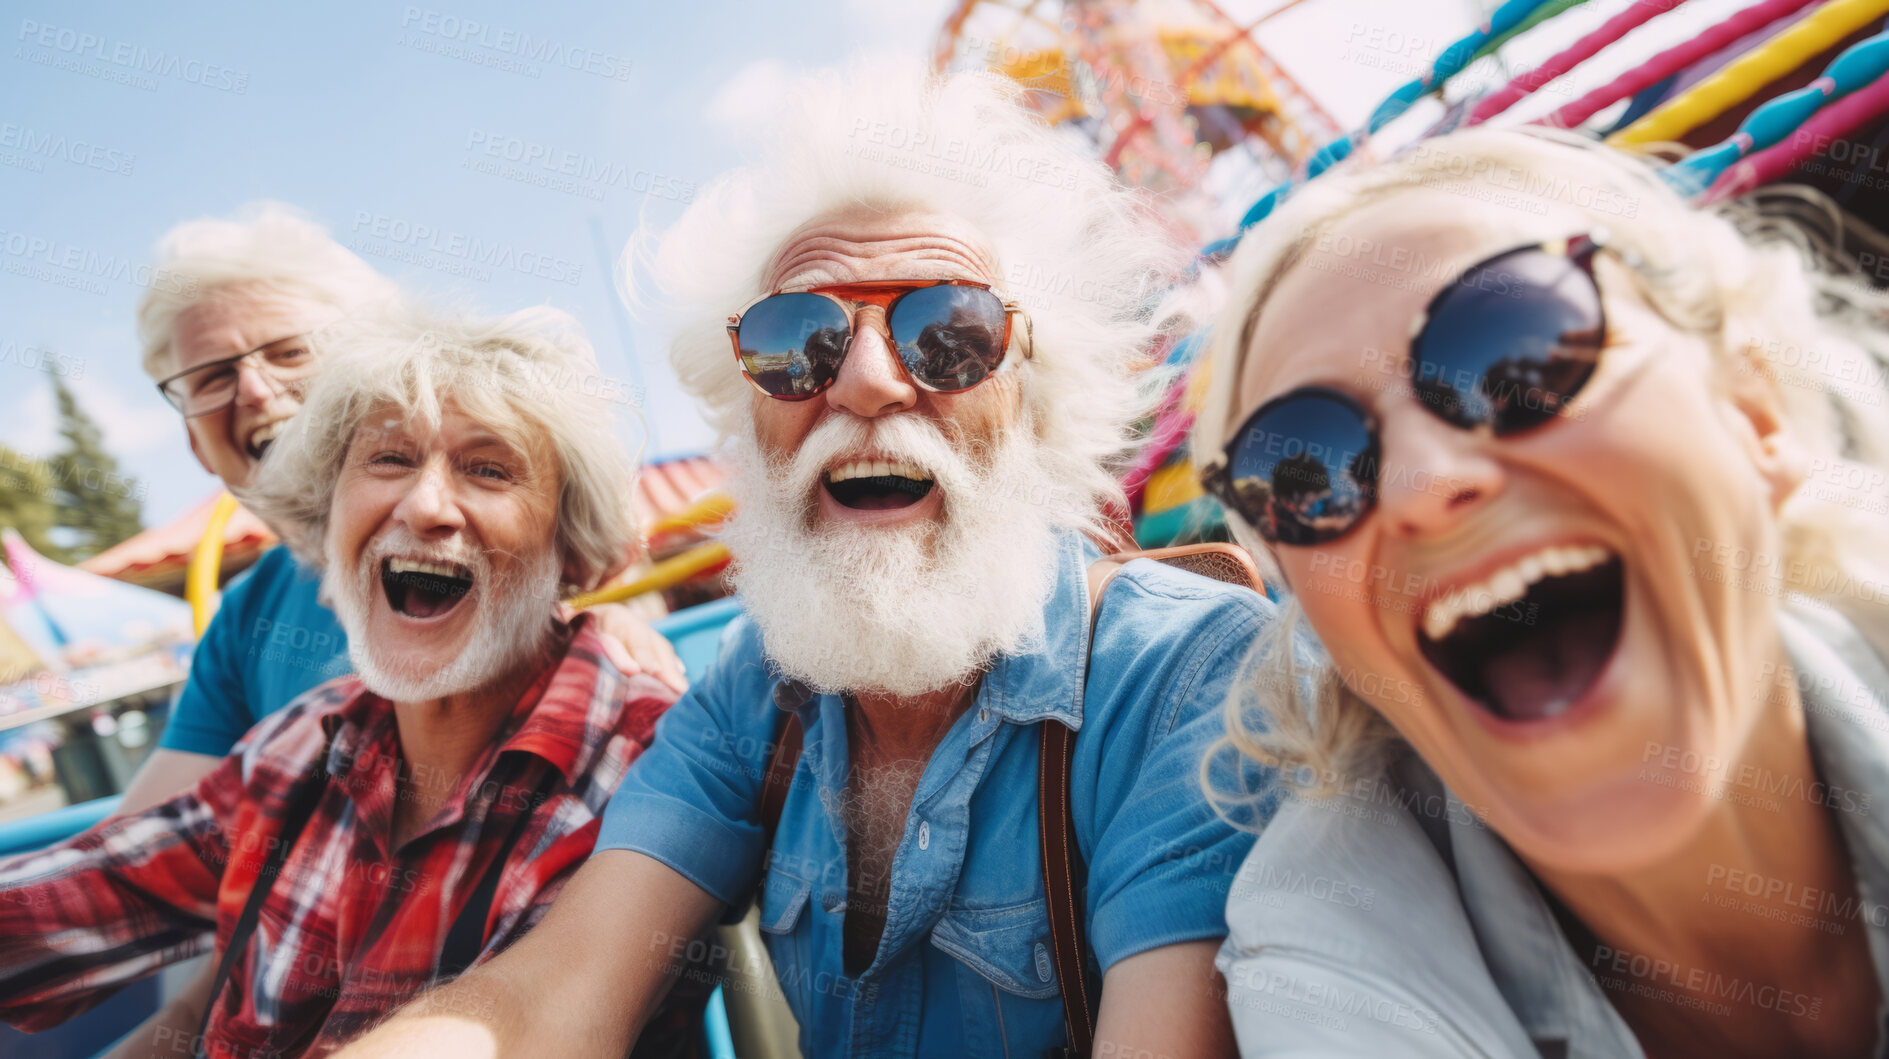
(906, 609)
(516, 608)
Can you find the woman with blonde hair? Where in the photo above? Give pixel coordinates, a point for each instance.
(1579, 490)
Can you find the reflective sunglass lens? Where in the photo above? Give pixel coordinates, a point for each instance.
(950, 337)
(792, 344)
(1510, 343)
(1304, 470)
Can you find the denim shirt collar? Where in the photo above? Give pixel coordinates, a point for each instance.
(1043, 681)
(1839, 678)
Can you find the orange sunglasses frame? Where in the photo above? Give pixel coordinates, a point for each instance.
(851, 297)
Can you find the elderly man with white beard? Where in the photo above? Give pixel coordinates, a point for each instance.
(387, 829)
(936, 312)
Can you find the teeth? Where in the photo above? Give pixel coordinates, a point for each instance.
(1507, 585)
(875, 469)
(267, 433)
(415, 566)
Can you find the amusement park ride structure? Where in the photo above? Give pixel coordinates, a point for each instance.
(1161, 88)
(1165, 89)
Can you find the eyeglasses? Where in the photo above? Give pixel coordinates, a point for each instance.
(950, 334)
(211, 387)
(1503, 348)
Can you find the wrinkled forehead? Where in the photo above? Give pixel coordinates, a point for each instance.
(1358, 286)
(859, 245)
(466, 423)
(239, 317)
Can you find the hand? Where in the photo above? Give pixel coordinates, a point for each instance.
(633, 647)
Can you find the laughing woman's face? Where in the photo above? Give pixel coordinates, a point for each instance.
(1541, 615)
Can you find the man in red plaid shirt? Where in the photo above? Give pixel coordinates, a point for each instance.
(392, 827)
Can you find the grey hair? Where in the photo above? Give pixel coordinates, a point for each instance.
(1088, 258)
(1752, 282)
(265, 245)
(530, 378)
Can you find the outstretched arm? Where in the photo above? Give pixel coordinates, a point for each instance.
(582, 983)
(1168, 1001)
(84, 917)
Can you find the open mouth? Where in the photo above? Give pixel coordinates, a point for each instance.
(260, 440)
(1529, 640)
(419, 589)
(877, 485)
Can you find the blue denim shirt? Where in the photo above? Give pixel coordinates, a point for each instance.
(1392, 921)
(963, 967)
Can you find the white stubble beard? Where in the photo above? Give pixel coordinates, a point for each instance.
(514, 620)
(903, 609)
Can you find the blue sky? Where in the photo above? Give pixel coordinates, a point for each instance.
(385, 122)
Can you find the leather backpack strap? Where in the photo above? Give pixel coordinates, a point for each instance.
(1063, 885)
(1220, 561)
(780, 774)
(1064, 874)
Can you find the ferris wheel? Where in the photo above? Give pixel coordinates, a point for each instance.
(1163, 89)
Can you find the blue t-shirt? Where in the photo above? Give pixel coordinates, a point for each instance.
(270, 641)
(964, 965)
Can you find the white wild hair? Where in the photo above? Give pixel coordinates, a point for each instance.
(1089, 259)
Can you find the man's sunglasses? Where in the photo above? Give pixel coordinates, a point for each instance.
(950, 334)
(1504, 347)
(211, 387)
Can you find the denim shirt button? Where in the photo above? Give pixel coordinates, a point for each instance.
(983, 715)
(924, 835)
(1042, 962)
(834, 903)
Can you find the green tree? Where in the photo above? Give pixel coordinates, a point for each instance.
(98, 506)
(26, 500)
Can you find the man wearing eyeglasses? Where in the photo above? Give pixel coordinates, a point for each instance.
(229, 339)
(923, 471)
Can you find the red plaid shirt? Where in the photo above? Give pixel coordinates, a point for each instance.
(351, 929)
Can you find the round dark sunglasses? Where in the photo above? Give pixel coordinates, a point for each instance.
(949, 334)
(1504, 347)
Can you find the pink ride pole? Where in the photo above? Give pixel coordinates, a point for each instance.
(1672, 60)
(1810, 139)
(1579, 52)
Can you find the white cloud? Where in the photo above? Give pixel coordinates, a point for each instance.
(750, 98)
(745, 102)
(909, 26)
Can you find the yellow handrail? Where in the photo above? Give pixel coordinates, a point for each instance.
(1744, 76)
(709, 510)
(200, 576)
(666, 574)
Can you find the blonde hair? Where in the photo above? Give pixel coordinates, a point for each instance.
(1756, 285)
(530, 378)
